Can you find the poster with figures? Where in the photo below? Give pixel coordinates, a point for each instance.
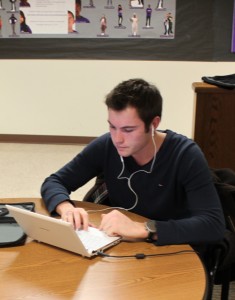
(150, 19)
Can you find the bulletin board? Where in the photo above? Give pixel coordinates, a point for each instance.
(200, 31)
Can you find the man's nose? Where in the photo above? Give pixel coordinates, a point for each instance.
(118, 136)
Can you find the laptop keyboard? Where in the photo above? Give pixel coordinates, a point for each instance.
(94, 238)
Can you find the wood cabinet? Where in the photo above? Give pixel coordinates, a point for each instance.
(214, 129)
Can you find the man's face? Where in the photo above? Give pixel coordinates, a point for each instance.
(71, 21)
(128, 132)
(78, 9)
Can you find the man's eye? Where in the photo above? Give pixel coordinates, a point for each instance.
(128, 130)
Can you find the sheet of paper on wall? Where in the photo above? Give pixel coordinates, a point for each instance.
(47, 17)
(35, 18)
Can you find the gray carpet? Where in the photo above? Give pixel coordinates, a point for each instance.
(25, 166)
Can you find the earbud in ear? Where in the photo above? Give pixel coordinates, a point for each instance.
(153, 130)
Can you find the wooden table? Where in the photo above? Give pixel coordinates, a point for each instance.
(40, 271)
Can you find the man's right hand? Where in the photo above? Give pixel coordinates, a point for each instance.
(77, 216)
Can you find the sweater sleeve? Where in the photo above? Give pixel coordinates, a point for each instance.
(58, 186)
(204, 222)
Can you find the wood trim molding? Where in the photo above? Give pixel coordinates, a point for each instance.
(203, 87)
(44, 139)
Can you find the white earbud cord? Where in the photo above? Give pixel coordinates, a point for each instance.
(129, 181)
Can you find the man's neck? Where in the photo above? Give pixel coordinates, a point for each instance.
(150, 151)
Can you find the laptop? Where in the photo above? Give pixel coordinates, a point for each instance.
(61, 234)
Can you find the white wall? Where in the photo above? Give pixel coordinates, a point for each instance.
(65, 97)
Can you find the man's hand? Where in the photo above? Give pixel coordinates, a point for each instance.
(78, 217)
(116, 223)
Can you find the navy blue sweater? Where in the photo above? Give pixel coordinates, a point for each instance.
(179, 193)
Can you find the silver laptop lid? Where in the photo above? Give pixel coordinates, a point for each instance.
(55, 232)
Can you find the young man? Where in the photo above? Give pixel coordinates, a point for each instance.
(157, 174)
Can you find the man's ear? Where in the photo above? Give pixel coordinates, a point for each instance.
(156, 121)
